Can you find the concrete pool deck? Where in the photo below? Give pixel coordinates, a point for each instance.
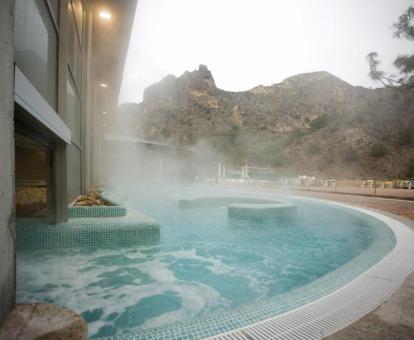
(404, 194)
(394, 318)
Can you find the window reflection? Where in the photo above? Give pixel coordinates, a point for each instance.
(75, 59)
(78, 11)
(74, 172)
(36, 47)
(73, 116)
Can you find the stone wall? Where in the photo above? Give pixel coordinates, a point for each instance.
(7, 229)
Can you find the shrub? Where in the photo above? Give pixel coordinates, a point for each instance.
(378, 150)
(278, 160)
(165, 133)
(350, 154)
(294, 135)
(319, 122)
(237, 155)
(314, 149)
(406, 136)
(410, 170)
(262, 153)
(191, 138)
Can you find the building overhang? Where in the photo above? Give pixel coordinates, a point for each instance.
(37, 112)
(111, 40)
(114, 138)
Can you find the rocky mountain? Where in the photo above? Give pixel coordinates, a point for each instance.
(311, 123)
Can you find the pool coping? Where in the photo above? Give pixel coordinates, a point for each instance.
(337, 310)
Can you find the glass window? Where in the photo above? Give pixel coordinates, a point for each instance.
(54, 8)
(73, 114)
(78, 10)
(74, 172)
(75, 59)
(36, 47)
(31, 177)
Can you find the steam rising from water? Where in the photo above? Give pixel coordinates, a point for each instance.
(204, 264)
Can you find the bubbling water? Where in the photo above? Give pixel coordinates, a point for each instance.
(206, 263)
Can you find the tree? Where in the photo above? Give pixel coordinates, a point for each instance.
(403, 29)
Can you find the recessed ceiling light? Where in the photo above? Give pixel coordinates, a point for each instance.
(105, 15)
(104, 112)
(103, 85)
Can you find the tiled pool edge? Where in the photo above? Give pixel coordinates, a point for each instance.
(101, 228)
(349, 303)
(97, 211)
(280, 305)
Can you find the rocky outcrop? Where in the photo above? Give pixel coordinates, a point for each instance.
(313, 122)
(42, 321)
(192, 104)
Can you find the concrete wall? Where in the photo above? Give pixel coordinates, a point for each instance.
(7, 230)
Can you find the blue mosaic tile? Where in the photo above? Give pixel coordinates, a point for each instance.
(136, 229)
(97, 211)
(384, 242)
(133, 229)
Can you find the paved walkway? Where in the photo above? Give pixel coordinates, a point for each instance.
(407, 194)
(395, 206)
(394, 319)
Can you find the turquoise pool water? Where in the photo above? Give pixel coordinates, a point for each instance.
(205, 264)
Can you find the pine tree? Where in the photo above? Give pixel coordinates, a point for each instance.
(403, 29)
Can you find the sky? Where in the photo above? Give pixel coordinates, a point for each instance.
(245, 43)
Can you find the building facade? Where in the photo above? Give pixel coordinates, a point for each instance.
(61, 68)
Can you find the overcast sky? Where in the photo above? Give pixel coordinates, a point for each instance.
(250, 42)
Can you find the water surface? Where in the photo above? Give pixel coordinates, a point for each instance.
(205, 263)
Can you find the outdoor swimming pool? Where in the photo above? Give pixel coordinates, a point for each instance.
(206, 265)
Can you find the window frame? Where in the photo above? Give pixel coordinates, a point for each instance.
(54, 19)
(78, 86)
(79, 42)
(56, 30)
(81, 126)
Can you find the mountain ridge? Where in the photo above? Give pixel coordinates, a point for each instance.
(313, 122)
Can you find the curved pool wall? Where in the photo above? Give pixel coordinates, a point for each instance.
(218, 201)
(346, 305)
(261, 211)
(390, 236)
(245, 208)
